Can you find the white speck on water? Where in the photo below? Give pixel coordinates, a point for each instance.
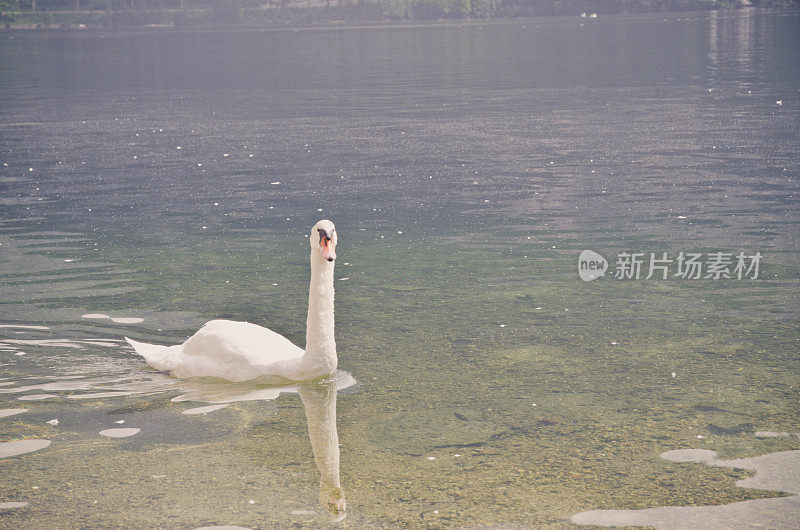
(4, 413)
(274, 284)
(205, 227)
(20, 447)
(226, 155)
(216, 204)
(178, 147)
(701, 437)
(54, 421)
(673, 375)
(199, 165)
(205, 410)
(681, 217)
(119, 422)
(68, 260)
(456, 455)
(431, 458)
(158, 476)
(20, 353)
(275, 183)
(251, 501)
(613, 343)
(95, 315)
(534, 405)
(502, 325)
(344, 279)
(319, 209)
(119, 433)
(779, 102)
(399, 231)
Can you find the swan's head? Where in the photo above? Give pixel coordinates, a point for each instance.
(335, 503)
(323, 239)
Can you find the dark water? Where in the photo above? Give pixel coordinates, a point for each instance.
(466, 167)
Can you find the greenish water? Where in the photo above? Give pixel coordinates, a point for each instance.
(466, 168)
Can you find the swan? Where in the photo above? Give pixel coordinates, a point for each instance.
(240, 351)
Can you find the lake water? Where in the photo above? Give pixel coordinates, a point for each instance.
(153, 179)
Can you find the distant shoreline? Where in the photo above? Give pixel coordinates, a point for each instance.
(375, 13)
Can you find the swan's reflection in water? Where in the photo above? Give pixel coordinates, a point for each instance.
(318, 397)
(319, 401)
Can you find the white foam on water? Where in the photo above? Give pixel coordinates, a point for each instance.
(205, 410)
(95, 315)
(4, 413)
(12, 505)
(774, 472)
(17, 326)
(20, 447)
(119, 433)
(36, 397)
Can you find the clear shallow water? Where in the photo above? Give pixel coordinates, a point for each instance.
(466, 167)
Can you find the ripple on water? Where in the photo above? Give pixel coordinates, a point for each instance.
(118, 320)
(774, 472)
(20, 447)
(37, 397)
(4, 413)
(205, 410)
(222, 528)
(119, 433)
(12, 505)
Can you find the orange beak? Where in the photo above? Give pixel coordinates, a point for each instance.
(327, 250)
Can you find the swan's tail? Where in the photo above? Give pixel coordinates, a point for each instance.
(157, 356)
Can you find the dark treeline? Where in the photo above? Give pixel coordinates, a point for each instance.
(283, 12)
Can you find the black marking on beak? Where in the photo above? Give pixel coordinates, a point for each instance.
(323, 235)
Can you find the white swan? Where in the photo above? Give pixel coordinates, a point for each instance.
(239, 351)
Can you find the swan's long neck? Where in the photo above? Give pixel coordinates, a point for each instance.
(319, 401)
(320, 343)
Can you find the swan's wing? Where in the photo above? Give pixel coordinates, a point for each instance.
(228, 341)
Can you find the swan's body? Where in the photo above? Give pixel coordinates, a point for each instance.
(239, 351)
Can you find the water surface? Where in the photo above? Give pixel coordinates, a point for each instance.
(160, 178)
